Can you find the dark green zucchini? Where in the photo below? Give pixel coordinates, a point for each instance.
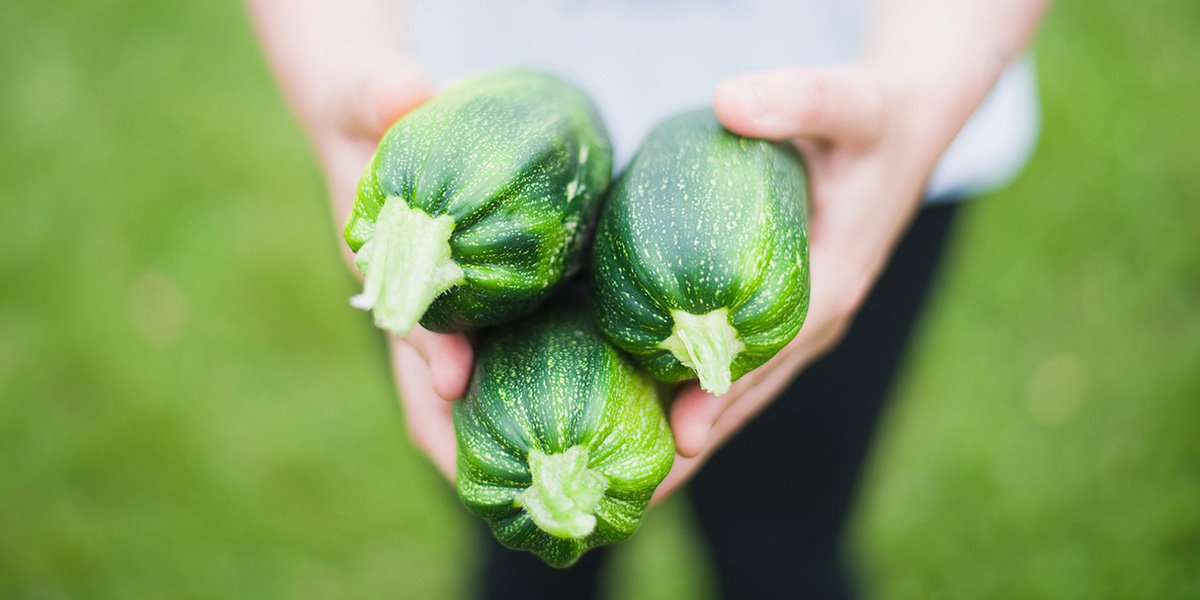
(561, 439)
(701, 254)
(476, 204)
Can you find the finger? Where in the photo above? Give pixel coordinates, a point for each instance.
(755, 399)
(449, 357)
(748, 396)
(832, 104)
(681, 471)
(729, 417)
(716, 430)
(695, 411)
(430, 421)
(381, 100)
(692, 416)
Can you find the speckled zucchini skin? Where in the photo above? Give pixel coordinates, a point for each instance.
(550, 382)
(701, 220)
(519, 160)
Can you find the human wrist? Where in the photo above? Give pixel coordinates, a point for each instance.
(925, 110)
(325, 53)
(943, 57)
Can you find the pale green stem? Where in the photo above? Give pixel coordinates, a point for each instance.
(706, 344)
(406, 264)
(563, 496)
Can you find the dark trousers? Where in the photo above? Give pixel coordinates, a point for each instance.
(773, 502)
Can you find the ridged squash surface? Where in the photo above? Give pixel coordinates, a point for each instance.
(561, 440)
(700, 262)
(492, 188)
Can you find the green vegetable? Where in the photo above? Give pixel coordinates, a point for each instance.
(476, 204)
(561, 440)
(701, 254)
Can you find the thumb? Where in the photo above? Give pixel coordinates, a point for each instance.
(381, 100)
(833, 104)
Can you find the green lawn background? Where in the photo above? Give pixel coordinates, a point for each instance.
(190, 409)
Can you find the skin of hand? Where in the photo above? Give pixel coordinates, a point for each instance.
(430, 368)
(867, 172)
(839, 119)
(871, 134)
(345, 71)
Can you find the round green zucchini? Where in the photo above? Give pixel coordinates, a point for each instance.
(476, 204)
(561, 439)
(700, 263)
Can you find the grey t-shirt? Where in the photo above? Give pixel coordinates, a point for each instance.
(643, 60)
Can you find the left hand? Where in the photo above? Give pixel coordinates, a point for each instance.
(346, 120)
(867, 163)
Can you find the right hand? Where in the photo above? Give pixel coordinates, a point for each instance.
(430, 368)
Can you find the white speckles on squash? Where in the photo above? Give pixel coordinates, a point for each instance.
(497, 154)
(542, 387)
(701, 221)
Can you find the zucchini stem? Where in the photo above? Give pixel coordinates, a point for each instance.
(406, 265)
(563, 496)
(706, 344)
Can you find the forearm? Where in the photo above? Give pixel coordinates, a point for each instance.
(318, 47)
(941, 57)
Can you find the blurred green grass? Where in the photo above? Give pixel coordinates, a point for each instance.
(189, 408)
(1044, 443)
